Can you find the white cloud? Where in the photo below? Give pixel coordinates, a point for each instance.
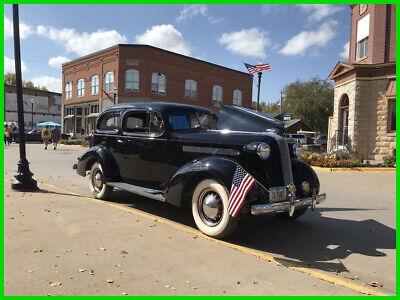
(345, 53)
(9, 65)
(51, 83)
(166, 37)
(57, 61)
(82, 43)
(247, 42)
(278, 8)
(306, 39)
(191, 10)
(318, 12)
(24, 30)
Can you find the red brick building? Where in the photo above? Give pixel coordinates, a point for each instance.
(364, 117)
(131, 73)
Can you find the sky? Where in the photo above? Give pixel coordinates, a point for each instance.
(298, 41)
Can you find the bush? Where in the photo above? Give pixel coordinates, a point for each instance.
(81, 142)
(389, 161)
(343, 160)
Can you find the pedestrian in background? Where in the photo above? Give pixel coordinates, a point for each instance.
(55, 135)
(12, 129)
(46, 136)
(6, 135)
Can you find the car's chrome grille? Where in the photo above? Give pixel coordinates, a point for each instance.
(210, 150)
(285, 159)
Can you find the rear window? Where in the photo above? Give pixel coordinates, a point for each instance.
(184, 121)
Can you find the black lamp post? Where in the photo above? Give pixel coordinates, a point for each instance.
(24, 181)
(32, 102)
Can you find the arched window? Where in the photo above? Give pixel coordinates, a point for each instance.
(190, 89)
(68, 90)
(343, 133)
(109, 81)
(217, 94)
(132, 80)
(158, 83)
(81, 87)
(237, 97)
(94, 85)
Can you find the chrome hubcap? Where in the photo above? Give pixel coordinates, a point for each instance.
(97, 180)
(210, 207)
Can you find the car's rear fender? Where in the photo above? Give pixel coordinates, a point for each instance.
(99, 154)
(183, 182)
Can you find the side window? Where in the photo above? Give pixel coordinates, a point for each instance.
(143, 123)
(109, 122)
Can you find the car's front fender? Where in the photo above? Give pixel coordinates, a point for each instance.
(100, 154)
(188, 176)
(303, 172)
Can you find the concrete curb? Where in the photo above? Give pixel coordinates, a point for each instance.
(362, 169)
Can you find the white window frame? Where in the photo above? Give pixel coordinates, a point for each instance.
(133, 82)
(190, 89)
(94, 85)
(80, 88)
(237, 98)
(68, 90)
(218, 93)
(109, 81)
(158, 83)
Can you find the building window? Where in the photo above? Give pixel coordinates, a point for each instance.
(94, 109)
(190, 89)
(392, 115)
(94, 85)
(217, 94)
(158, 81)
(69, 111)
(237, 97)
(132, 80)
(362, 37)
(81, 87)
(109, 81)
(68, 90)
(79, 111)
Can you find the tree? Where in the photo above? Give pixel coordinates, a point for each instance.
(267, 108)
(11, 79)
(310, 101)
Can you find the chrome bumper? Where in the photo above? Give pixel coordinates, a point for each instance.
(286, 206)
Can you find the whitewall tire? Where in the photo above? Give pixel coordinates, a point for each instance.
(210, 209)
(98, 186)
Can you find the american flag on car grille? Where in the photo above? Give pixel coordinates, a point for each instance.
(241, 185)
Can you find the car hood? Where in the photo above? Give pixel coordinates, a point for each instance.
(242, 119)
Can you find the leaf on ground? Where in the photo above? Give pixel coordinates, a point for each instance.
(124, 294)
(69, 250)
(375, 284)
(37, 250)
(110, 280)
(102, 248)
(55, 283)
(124, 252)
(82, 270)
(91, 272)
(349, 277)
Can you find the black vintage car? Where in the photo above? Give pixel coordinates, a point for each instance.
(184, 155)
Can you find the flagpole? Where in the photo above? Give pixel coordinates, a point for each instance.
(258, 94)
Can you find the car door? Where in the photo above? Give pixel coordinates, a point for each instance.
(143, 158)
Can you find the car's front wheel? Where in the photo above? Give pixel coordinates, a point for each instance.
(98, 186)
(210, 209)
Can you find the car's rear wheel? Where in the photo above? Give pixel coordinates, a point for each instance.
(98, 186)
(210, 209)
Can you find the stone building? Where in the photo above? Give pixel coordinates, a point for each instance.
(39, 106)
(130, 73)
(364, 117)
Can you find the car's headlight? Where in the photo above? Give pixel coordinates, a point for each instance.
(297, 149)
(263, 150)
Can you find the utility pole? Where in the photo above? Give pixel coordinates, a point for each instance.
(258, 93)
(24, 181)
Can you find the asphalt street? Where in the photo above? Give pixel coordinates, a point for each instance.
(350, 238)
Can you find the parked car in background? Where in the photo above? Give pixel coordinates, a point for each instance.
(186, 156)
(35, 135)
(322, 141)
(297, 137)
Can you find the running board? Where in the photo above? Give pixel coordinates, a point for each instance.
(150, 193)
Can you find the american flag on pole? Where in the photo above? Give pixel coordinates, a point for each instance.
(241, 184)
(257, 68)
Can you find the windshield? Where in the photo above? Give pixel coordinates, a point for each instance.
(187, 121)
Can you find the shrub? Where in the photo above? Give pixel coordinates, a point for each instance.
(81, 142)
(389, 161)
(343, 160)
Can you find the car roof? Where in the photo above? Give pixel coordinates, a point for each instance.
(159, 106)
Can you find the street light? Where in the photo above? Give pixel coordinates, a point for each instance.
(32, 102)
(24, 181)
(115, 94)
